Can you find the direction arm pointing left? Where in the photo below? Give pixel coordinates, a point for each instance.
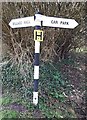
(22, 22)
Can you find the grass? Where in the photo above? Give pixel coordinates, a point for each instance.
(8, 114)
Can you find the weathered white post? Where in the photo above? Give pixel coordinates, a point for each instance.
(38, 36)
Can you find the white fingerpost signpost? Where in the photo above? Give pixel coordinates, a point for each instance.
(39, 21)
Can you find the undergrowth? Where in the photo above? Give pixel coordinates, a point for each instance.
(18, 88)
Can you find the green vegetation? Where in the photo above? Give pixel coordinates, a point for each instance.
(51, 88)
(81, 49)
(8, 114)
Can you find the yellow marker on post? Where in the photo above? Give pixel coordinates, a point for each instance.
(38, 35)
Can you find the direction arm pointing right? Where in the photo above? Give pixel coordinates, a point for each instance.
(57, 22)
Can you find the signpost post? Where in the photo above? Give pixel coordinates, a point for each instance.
(37, 21)
(38, 36)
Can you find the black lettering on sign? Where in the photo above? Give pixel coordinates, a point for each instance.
(26, 22)
(54, 21)
(17, 23)
(64, 23)
(37, 37)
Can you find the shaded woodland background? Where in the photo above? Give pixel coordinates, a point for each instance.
(62, 61)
